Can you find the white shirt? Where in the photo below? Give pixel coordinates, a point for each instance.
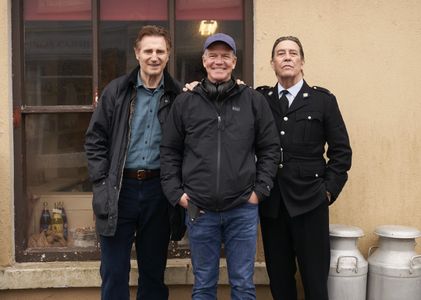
(292, 91)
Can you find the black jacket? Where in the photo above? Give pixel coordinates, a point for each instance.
(210, 152)
(312, 121)
(107, 141)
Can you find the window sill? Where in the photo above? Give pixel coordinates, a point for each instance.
(86, 274)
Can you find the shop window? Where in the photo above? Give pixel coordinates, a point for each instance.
(195, 21)
(118, 28)
(64, 53)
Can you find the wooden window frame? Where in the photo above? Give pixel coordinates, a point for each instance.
(20, 111)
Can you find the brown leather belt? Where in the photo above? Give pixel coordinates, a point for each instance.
(140, 174)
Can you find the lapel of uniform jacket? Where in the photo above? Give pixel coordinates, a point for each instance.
(274, 100)
(301, 99)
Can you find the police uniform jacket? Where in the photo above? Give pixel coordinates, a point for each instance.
(311, 125)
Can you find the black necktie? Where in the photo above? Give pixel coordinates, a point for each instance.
(284, 102)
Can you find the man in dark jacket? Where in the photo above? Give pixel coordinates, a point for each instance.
(122, 147)
(295, 220)
(219, 154)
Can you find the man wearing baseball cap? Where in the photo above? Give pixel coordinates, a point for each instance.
(219, 154)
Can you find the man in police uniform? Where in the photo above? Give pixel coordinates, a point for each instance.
(295, 220)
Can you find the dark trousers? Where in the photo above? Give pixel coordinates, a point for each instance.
(303, 239)
(142, 219)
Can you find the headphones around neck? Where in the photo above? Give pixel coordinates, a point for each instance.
(217, 92)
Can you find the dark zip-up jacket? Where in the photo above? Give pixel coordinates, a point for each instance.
(219, 154)
(107, 141)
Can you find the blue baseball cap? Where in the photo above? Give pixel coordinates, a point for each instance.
(220, 37)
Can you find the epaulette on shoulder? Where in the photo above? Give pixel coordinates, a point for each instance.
(321, 89)
(265, 90)
(262, 88)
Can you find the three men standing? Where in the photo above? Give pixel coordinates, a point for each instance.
(219, 154)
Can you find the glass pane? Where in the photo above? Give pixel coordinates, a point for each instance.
(119, 25)
(57, 177)
(54, 153)
(195, 21)
(58, 52)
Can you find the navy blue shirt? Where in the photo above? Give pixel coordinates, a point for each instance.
(145, 130)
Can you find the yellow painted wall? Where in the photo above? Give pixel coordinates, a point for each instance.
(368, 54)
(6, 132)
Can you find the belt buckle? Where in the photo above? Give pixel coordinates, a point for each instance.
(140, 174)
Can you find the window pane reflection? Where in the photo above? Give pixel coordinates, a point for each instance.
(54, 153)
(57, 181)
(119, 26)
(228, 15)
(58, 52)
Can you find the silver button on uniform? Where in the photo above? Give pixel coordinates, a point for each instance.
(282, 132)
(285, 119)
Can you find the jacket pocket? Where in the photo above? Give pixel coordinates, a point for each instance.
(309, 127)
(312, 170)
(100, 201)
(177, 215)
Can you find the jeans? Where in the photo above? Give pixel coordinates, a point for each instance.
(142, 219)
(237, 230)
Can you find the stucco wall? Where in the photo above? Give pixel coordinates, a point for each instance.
(368, 54)
(6, 131)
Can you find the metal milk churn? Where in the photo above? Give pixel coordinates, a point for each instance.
(394, 267)
(348, 267)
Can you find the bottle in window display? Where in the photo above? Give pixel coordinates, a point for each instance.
(57, 221)
(64, 217)
(45, 220)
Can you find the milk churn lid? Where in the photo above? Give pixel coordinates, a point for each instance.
(398, 231)
(339, 230)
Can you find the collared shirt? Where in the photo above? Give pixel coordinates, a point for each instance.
(145, 132)
(292, 91)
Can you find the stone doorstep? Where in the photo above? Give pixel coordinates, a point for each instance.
(86, 274)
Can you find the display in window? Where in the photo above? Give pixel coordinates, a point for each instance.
(57, 221)
(83, 237)
(45, 220)
(68, 224)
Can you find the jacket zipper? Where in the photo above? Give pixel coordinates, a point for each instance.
(218, 163)
(219, 201)
(132, 99)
